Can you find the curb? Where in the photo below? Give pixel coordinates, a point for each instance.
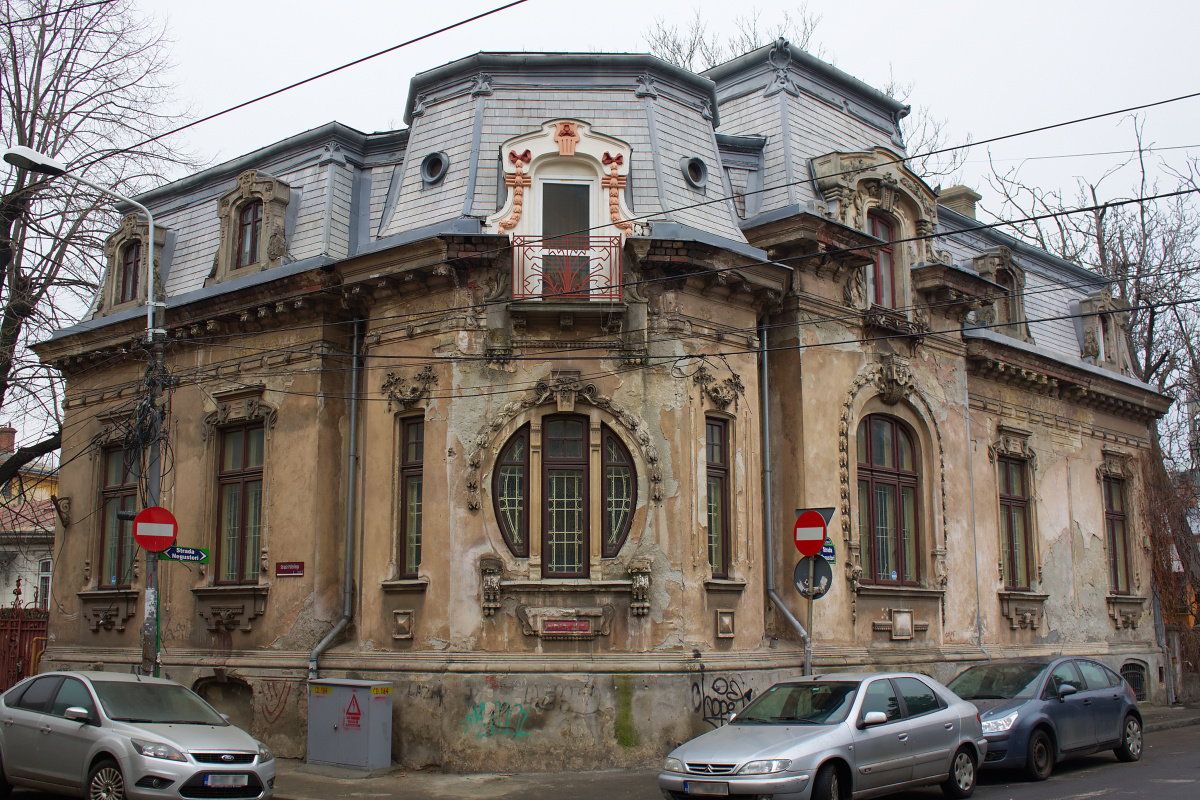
(1168, 724)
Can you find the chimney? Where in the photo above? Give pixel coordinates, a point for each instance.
(8, 440)
(961, 199)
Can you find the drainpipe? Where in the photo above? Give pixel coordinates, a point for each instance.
(764, 398)
(351, 485)
(974, 530)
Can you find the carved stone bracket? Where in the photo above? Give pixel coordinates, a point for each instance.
(1011, 443)
(878, 318)
(491, 569)
(1125, 610)
(894, 379)
(407, 393)
(721, 393)
(1115, 464)
(566, 389)
(229, 607)
(109, 609)
(566, 623)
(1023, 609)
(639, 570)
(242, 404)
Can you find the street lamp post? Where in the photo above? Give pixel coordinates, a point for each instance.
(31, 160)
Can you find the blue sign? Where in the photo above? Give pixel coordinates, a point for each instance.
(828, 552)
(195, 555)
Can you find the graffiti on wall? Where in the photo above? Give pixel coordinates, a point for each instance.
(496, 719)
(715, 697)
(275, 696)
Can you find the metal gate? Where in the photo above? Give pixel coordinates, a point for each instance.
(22, 640)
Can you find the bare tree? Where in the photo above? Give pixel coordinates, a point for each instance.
(694, 47)
(83, 83)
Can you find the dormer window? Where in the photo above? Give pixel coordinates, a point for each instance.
(131, 261)
(249, 231)
(1102, 322)
(1005, 314)
(565, 211)
(884, 275)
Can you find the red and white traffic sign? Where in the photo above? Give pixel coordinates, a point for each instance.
(155, 529)
(810, 532)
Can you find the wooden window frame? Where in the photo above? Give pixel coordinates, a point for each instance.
(521, 549)
(610, 549)
(131, 261)
(242, 476)
(411, 467)
(874, 223)
(247, 257)
(580, 463)
(718, 469)
(126, 490)
(1016, 503)
(874, 475)
(1111, 517)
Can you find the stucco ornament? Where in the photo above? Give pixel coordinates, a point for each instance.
(639, 571)
(720, 393)
(131, 231)
(892, 375)
(274, 194)
(406, 393)
(556, 622)
(491, 570)
(779, 58)
(240, 404)
(565, 389)
(566, 143)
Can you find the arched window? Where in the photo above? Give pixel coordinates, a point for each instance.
(884, 276)
(888, 518)
(131, 262)
(249, 232)
(569, 487)
(1006, 306)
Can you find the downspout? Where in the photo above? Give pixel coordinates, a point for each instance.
(764, 398)
(974, 529)
(351, 485)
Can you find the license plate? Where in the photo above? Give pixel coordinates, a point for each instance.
(705, 787)
(226, 780)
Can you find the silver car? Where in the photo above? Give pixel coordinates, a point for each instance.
(112, 736)
(834, 737)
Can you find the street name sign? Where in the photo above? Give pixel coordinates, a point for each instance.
(194, 555)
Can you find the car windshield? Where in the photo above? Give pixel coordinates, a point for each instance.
(997, 681)
(808, 703)
(133, 701)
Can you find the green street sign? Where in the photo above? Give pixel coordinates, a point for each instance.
(193, 555)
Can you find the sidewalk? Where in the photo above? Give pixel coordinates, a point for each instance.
(297, 780)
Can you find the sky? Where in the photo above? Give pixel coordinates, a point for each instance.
(987, 69)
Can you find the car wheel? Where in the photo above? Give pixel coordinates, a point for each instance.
(828, 785)
(1039, 762)
(1131, 740)
(105, 782)
(960, 782)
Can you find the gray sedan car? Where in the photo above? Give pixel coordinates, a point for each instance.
(112, 736)
(834, 737)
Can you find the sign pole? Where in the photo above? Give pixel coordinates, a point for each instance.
(812, 601)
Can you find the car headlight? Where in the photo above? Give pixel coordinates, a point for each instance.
(763, 767)
(672, 765)
(264, 754)
(157, 750)
(999, 725)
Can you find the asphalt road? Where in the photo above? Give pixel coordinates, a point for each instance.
(1169, 770)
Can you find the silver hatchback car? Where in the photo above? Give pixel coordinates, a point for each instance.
(112, 736)
(834, 737)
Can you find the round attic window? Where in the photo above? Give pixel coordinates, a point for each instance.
(695, 171)
(434, 167)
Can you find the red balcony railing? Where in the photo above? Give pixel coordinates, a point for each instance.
(567, 268)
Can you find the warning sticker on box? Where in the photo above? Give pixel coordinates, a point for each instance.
(353, 715)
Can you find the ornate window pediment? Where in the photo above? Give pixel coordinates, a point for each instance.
(253, 226)
(242, 404)
(1104, 319)
(1006, 314)
(124, 284)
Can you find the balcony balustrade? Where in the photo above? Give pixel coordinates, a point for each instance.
(567, 268)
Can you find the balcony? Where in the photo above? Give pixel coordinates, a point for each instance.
(567, 268)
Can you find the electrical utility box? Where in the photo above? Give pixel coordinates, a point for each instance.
(350, 723)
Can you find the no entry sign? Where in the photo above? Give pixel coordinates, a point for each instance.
(155, 529)
(810, 529)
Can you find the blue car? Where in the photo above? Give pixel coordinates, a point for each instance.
(1039, 711)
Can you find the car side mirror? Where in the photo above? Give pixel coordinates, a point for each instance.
(1065, 691)
(874, 718)
(78, 714)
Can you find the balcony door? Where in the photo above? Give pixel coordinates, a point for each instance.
(566, 219)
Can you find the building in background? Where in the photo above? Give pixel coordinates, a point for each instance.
(610, 323)
(27, 520)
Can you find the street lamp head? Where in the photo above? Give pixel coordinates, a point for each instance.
(29, 159)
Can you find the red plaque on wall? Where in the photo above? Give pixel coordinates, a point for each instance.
(289, 569)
